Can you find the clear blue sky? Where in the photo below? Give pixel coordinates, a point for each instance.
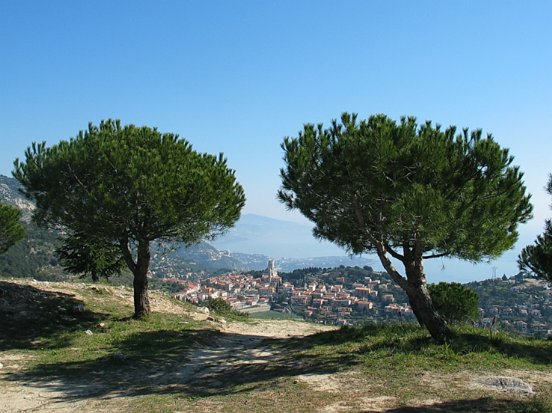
(237, 76)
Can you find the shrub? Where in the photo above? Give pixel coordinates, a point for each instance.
(219, 305)
(455, 302)
(223, 308)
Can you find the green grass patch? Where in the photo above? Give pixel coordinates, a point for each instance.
(396, 356)
(376, 345)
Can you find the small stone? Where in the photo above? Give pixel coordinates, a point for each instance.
(1, 366)
(101, 325)
(88, 332)
(203, 310)
(222, 321)
(510, 384)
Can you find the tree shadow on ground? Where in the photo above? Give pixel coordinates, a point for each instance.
(203, 363)
(31, 317)
(481, 405)
(187, 362)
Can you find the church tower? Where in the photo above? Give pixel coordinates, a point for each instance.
(271, 270)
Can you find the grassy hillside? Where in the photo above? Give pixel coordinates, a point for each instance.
(71, 346)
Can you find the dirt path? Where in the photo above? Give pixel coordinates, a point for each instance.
(239, 351)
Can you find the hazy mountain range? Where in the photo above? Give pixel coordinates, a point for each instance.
(258, 234)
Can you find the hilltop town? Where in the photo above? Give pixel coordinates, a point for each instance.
(347, 299)
(354, 295)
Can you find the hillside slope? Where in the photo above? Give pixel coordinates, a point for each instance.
(72, 347)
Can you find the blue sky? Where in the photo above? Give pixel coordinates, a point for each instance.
(237, 76)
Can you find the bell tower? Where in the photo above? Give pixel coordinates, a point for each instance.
(271, 270)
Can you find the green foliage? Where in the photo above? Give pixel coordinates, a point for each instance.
(11, 229)
(408, 190)
(117, 182)
(537, 258)
(88, 256)
(455, 302)
(219, 305)
(113, 189)
(457, 194)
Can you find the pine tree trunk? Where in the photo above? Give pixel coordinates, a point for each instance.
(415, 287)
(422, 306)
(141, 298)
(419, 298)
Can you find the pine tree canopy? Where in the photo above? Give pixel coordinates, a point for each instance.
(411, 191)
(456, 194)
(537, 258)
(133, 182)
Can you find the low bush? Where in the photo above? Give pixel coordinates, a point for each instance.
(455, 302)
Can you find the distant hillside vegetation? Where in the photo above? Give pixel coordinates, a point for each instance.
(33, 256)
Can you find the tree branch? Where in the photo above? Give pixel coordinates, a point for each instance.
(394, 253)
(393, 273)
(382, 252)
(127, 256)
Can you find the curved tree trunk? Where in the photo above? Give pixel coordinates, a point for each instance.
(415, 287)
(422, 306)
(420, 300)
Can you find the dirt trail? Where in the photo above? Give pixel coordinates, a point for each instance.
(239, 347)
(240, 350)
